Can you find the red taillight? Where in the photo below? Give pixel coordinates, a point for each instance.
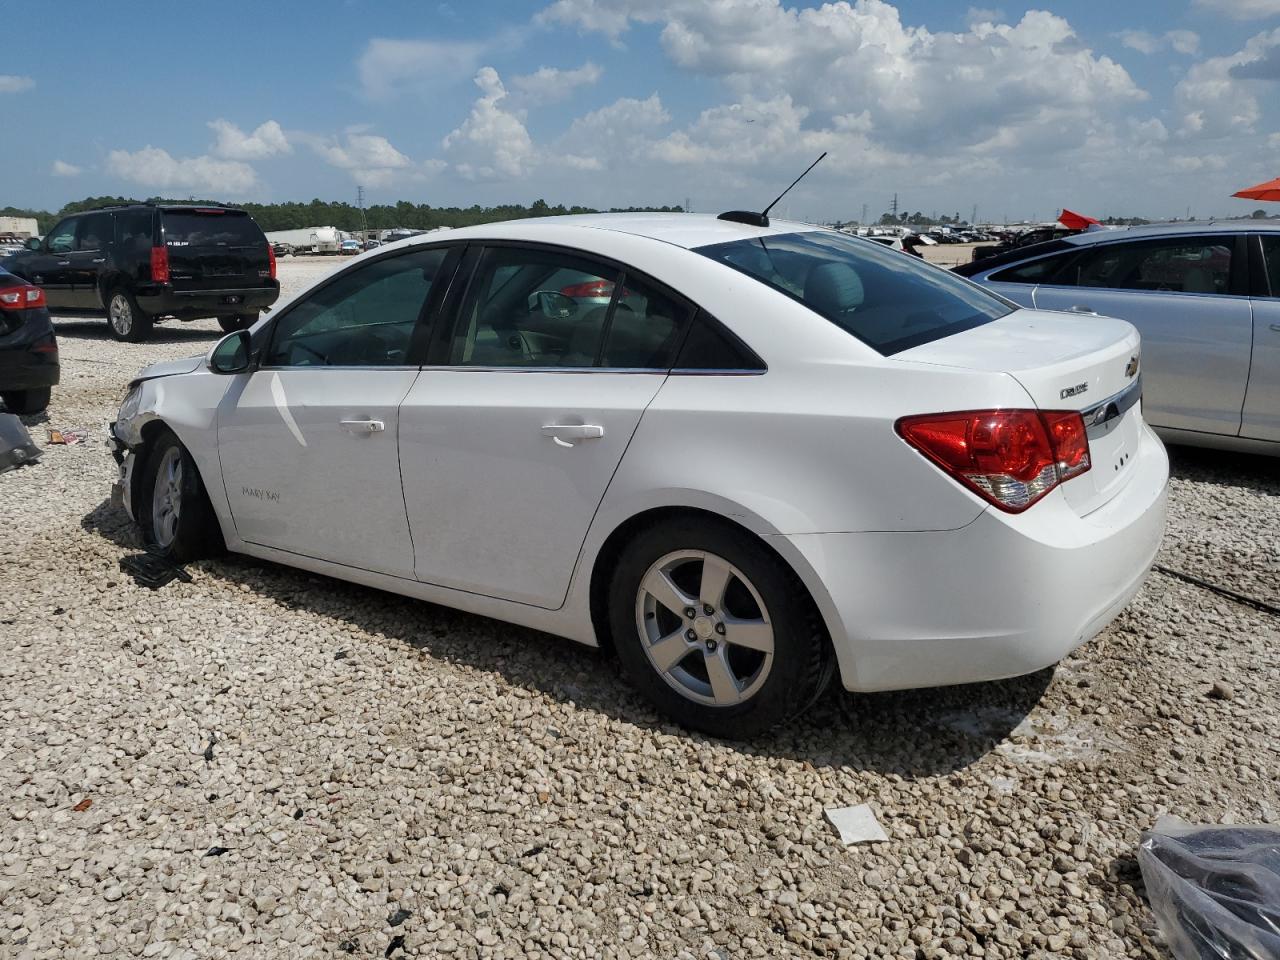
(160, 264)
(1010, 458)
(592, 289)
(22, 298)
(271, 261)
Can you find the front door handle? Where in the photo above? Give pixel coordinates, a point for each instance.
(1080, 308)
(100, 260)
(363, 426)
(1276, 327)
(564, 434)
(64, 263)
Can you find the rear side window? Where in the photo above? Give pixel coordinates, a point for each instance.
(212, 228)
(1044, 270)
(1176, 265)
(133, 228)
(644, 329)
(889, 300)
(709, 346)
(1271, 250)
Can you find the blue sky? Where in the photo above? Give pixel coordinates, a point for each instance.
(1150, 107)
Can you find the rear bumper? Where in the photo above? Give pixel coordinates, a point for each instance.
(25, 369)
(190, 304)
(1004, 596)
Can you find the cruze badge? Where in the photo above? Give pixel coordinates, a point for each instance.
(1132, 369)
(1075, 391)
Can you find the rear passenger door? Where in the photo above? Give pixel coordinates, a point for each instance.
(511, 434)
(93, 237)
(1188, 297)
(1261, 420)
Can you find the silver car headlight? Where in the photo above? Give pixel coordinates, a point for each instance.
(132, 400)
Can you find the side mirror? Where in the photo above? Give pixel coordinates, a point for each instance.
(553, 305)
(231, 354)
(33, 243)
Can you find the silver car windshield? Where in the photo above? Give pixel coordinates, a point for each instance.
(889, 300)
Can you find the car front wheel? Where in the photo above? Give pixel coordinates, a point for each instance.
(176, 518)
(713, 628)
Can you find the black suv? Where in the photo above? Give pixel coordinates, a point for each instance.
(137, 263)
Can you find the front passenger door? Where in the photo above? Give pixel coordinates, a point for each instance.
(307, 440)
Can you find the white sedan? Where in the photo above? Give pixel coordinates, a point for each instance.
(744, 457)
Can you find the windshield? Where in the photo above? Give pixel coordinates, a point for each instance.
(889, 300)
(214, 229)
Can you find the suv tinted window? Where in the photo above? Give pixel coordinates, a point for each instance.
(365, 317)
(210, 228)
(1175, 265)
(1271, 250)
(62, 238)
(889, 301)
(133, 228)
(95, 231)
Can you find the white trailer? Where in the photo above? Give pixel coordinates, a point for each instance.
(309, 239)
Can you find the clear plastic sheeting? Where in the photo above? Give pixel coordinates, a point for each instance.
(1215, 890)
(16, 448)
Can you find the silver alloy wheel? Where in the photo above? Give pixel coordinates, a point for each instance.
(120, 314)
(704, 628)
(166, 498)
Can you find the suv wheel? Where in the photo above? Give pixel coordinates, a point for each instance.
(26, 402)
(175, 515)
(125, 319)
(713, 628)
(241, 321)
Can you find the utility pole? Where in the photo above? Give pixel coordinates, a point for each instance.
(973, 218)
(364, 224)
(688, 205)
(894, 207)
(863, 221)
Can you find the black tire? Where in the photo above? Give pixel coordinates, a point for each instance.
(26, 402)
(242, 321)
(195, 533)
(802, 661)
(125, 319)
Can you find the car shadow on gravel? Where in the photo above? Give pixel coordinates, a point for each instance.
(90, 328)
(915, 733)
(1254, 471)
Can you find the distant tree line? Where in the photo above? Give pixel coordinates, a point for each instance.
(346, 216)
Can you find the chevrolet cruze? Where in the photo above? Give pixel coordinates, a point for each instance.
(745, 456)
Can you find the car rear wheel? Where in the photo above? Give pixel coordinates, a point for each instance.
(125, 319)
(26, 402)
(241, 321)
(176, 518)
(713, 628)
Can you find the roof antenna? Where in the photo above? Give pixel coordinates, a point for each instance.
(762, 219)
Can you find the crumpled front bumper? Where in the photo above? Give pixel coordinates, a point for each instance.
(122, 489)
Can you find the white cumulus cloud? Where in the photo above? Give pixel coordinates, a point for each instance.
(492, 143)
(1180, 41)
(392, 66)
(234, 144)
(1217, 97)
(369, 158)
(157, 169)
(12, 83)
(61, 168)
(551, 84)
(1242, 9)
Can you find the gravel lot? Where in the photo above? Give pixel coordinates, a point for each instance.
(274, 764)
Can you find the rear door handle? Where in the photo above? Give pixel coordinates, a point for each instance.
(564, 434)
(100, 260)
(64, 263)
(363, 426)
(1276, 327)
(1080, 308)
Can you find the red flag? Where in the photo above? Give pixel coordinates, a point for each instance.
(1076, 221)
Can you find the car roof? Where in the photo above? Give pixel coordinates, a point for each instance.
(1156, 230)
(688, 230)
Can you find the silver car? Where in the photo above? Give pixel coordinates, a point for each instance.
(1204, 296)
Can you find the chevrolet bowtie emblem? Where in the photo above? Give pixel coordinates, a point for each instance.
(1132, 369)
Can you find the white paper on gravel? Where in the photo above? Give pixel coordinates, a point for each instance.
(856, 824)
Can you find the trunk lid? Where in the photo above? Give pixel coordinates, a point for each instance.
(1064, 362)
(214, 249)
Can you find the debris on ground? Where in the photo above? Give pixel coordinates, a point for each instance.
(856, 824)
(1215, 890)
(152, 570)
(69, 437)
(16, 446)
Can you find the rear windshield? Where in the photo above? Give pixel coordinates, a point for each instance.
(889, 300)
(215, 229)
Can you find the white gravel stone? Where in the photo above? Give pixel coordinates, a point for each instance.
(514, 797)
